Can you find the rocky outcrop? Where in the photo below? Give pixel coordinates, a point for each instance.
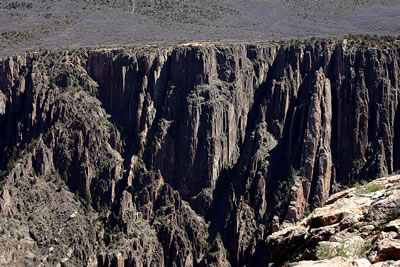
(194, 154)
(336, 262)
(359, 223)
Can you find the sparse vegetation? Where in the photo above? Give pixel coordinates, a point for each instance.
(62, 185)
(282, 195)
(16, 36)
(140, 154)
(3, 173)
(154, 21)
(113, 127)
(65, 176)
(358, 184)
(325, 252)
(15, 5)
(349, 249)
(307, 211)
(372, 187)
(191, 12)
(364, 187)
(365, 39)
(80, 142)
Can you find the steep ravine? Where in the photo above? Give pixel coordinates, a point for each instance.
(186, 155)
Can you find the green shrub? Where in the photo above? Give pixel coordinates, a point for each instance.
(350, 249)
(207, 246)
(65, 176)
(3, 174)
(372, 187)
(11, 164)
(16, 5)
(325, 252)
(358, 184)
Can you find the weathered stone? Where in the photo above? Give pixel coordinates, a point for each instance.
(343, 228)
(153, 140)
(336, 262)
(387, 249)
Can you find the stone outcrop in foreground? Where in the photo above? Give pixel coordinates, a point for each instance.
(359, 226)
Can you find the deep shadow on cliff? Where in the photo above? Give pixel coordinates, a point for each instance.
(186, 155)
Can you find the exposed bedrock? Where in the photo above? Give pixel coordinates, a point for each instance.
(210, 146)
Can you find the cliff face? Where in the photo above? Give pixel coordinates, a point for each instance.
(189, 155)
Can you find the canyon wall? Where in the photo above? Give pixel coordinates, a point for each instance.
(188, 155)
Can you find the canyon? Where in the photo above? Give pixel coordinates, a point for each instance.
(187, 155)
